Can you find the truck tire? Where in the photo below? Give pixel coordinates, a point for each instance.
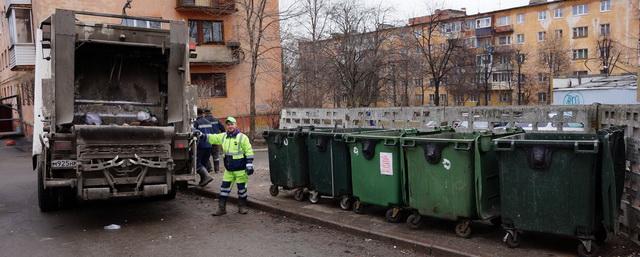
(47, 198)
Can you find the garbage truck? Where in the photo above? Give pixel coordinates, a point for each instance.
(113, 108)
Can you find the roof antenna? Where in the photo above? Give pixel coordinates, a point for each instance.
(126, 6)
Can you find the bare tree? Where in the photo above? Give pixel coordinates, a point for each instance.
(314, 21)
(608, 55)
(484, 67)
(553, 57)
(260, 26)
(521, 57)
(355, 54)
(439, 39)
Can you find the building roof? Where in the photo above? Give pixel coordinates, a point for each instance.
(618, 81)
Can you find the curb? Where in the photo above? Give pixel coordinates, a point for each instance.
(431, 250)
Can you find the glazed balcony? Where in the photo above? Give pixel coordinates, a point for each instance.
(216, 7)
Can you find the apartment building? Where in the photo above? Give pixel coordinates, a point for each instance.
(585, 32)
(221, 69)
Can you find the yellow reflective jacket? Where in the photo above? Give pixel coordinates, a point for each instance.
(238, 153)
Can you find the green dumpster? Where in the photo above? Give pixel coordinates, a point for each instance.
(376, 172)
(330, 164)
(565, 184)
(453, 176)
(288, 160)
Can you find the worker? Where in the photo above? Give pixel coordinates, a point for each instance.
(238, 164)
(215, 149)
(204, 149)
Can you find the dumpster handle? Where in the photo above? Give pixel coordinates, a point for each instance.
(348, 139)
(291, 134)
(338, 137)
(587, 147)
(390, 141)
(466, 146)
(505, 146)
(408, 143)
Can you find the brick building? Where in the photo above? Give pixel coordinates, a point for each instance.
(216, 27)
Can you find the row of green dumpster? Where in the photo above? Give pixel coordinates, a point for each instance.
(566, 184)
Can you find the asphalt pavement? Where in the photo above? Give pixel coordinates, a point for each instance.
(180, 227)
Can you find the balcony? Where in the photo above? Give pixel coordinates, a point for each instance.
(504, 29)
(484, 32)
(9, 3)
(215, 7)
(22, 56)
(218, 55)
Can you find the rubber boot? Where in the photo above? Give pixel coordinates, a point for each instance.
(205, 179)
(242, 206)
(222, 207)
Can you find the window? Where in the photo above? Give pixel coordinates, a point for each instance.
(206, 32)
(501, 77)
(459, 99)
(483, 23)
(542, 97)
(504, 40)
(542, 77)
(418, 82)
(503, 59)
(452, 27)
(141, 23)
(20, 26)
(505, 97)
(520, 38)
(443, 99)
(542, 15)
(579, 32)
(210, 84)
(503, 21)
(542, 35)
(483, 59)
(520, 18)
(580, 9)
(431, 98)
(473, 98)
(471, 24)
(579, 54)
(558, 33)
(472, 42)
(557, 13)
(605, 29)
(605, 5)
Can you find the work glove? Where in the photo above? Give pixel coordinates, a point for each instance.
(196, 133)
(249, 169)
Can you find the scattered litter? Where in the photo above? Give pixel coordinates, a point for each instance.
(394, 247)
(161, 219)
(112, 227)
(46, 239)
(84, 230)
(404, 252)
(367, 239)
(169, 237)
(9, 142)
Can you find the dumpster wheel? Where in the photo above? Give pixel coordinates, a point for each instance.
(273, 190)
(511, 239)
(298, 194)
(414, 220)
(582, 249)
(345, 203)
(463, 228)
(393, 215)
(358, 207)
(314, 197)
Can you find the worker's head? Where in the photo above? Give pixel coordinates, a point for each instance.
(199, 112)
(207, 111)
(231, 124)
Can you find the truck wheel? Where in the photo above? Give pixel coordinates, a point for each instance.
(47, 198)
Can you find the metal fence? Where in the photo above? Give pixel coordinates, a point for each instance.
(554, 118)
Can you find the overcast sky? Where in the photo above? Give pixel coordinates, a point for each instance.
(404, 9)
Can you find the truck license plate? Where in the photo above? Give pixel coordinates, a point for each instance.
(63, 164)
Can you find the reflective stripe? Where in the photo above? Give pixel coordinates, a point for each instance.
(243, 195)
(205, 126)
(224, 193)
(242, 191)
(249, 165)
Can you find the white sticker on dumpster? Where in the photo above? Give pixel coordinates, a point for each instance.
(386, 164)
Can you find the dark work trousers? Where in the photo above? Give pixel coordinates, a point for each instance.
(215, 154)
(203, 158)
